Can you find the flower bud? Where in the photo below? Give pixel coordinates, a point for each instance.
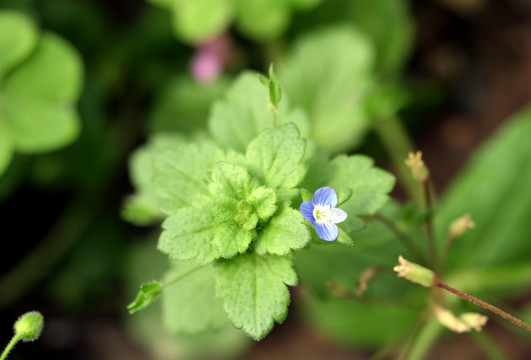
(460, 226)
(414, 272)
(474, 320)
(418, 169)
(29, 326)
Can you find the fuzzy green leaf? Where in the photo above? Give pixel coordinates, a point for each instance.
(18, 36)
(276, 157)
(190, 305)
(230, 180)
(143, 208)
(182, 173)
(331, 87)
(147, 294)
(189, 233)
(263, 200)
(231, 240)
(244, 113)
(254, 291)
(285, 232)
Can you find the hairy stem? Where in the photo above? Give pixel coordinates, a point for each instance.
(483, 304)
(429, 223)
(10, 346)
(182, 276)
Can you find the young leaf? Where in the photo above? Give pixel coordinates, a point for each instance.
(230, 180)
(231, 240)
(190, 305)
(235, 121)
(182, 173)
(254, 291)
(285, 232)
(189, 233)
(263, 200)
(147, 294)
(276, 157)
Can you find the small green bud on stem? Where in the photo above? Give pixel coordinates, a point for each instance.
(415, 273)
(418, 169)
(27, 328)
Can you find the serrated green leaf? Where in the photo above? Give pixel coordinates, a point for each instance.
(18, 36)
(147, 294)
(190, 306)
(254, 291)
(231, 240)
(285, 232)
(331, 87)
(230, 180)
(143, 208)
(263, 200)
(276, 156)
(199, 20)
(188, 234)
(344, 238)
(244, 113)
(181, 173)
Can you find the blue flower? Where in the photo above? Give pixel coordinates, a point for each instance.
(323, 214)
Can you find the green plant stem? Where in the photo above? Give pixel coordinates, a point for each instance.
(182, 276)
(403, 238)
(398, 145)
(489, 347)
(426, 337)
(483, 304)
(10, 346)
(429, 223)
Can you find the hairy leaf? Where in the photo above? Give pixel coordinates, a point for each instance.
(285, 232)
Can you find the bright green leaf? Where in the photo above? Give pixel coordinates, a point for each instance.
(18, 36)
(231, 240)
(230, 180)
(147, 294)
(182, 173)
(52, 74)
(263, 200)
(285, 232)
(276, 156)
(254, 291)
(188, 234)
(332, 87)
(244, 113)
(190, 305)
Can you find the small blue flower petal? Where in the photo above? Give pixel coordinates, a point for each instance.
(327, 231)
(325, 196)
(306, 210)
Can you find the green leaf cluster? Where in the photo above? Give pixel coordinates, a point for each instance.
(230, 202)
(261, 20)
(40, 81)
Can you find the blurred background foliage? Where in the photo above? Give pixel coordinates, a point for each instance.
(89, 90)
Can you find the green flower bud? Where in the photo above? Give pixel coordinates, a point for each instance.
(29, 326)
(414, 272)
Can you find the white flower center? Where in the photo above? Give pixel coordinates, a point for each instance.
(322, 214)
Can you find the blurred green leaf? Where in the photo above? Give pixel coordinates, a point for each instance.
(6, 149)
(185, 104)
(262, 20)
(18, 37)
(389, 25)
(37, 107)
(494, 189)
(332, 86)
(190, 305)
